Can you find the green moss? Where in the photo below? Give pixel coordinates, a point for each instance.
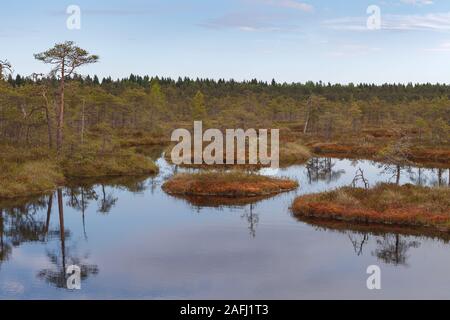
(33, 172)
(121, 163)
(29, 178)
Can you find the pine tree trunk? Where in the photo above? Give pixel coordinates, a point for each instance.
(82, 122)
(305, 130)
(59, 132)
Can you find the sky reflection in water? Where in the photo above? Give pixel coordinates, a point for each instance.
(134, 241)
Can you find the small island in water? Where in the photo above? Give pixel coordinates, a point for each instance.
(388, 204)
(234, 184)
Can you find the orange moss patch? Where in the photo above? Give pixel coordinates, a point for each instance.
(425, 156)
(435, 155)
(227, 184)
(385, 204)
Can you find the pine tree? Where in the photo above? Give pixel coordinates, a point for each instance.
(198, 106)
(65, 59)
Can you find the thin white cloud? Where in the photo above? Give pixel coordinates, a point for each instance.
(289, 4)
(417, 2)
(251, 22)
(292, 4)
(150, 8)
(241, 21)
(428, 22)
(107, 12)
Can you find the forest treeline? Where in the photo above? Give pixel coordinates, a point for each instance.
(63, 125)
(101, 108)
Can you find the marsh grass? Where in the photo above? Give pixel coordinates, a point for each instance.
(119, 163)
(29, 178)
(27, 172)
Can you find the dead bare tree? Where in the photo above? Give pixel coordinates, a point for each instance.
(308, 114)
(5, 65)
(359, 176)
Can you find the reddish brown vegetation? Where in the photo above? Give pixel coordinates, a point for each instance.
(374, 229)
(227, 184)
(425, 156)
(384, 204)
(431, 155)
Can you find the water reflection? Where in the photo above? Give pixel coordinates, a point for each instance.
(169, 250)
(394, 171)
(358, 241)
(22, 221)
(199, 202)
(252, 219)
(59, 259)
(416, 175)
(323, 169)
(440, 179)
(431, 177)
(393, 243)
(393, 249)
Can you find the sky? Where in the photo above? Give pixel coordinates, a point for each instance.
(285, 40)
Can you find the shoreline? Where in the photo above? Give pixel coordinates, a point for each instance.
(41, 177)
(385, 204)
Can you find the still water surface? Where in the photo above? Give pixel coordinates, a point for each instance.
(131, 240)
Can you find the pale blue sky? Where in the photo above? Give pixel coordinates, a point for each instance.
(289, 40)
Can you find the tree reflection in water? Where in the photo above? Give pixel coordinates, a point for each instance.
(5, 246)
(322, 169)
(439, 181)
(60, 259)
(358, 242)
(107, 202)
(392, 249)
(437, 177)
(395, 171)
(252, 219)
(79, 198)
(418, 178)
(391, 242)
(20, 223)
